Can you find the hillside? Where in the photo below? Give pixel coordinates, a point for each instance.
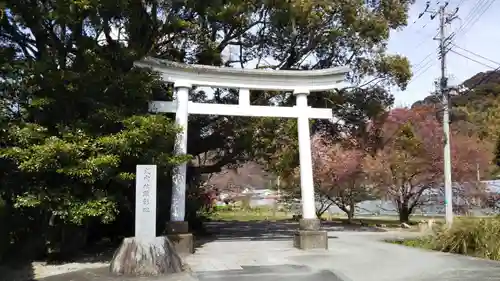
(476, 109)
(483, 84)
(249, 174)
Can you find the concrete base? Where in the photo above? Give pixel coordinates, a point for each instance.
(174, 227)
(183, 243)
(310, 239)
(310, 236)
(178, 234)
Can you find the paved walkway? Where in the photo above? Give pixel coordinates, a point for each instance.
(264, 252)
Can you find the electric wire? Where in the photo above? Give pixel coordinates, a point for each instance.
(476, 13)
(471, 59)
(475, 54)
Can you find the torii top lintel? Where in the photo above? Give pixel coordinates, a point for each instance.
(258, 79)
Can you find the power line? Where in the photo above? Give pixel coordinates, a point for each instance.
(418, 68)
(471, 59)
(474, 16)
(422, 70)
(481, 11)
(478, 17)
(424, 64)
(472, 13)
(421, 67)
(420, 15)
(425, 39)
(485, 79)
(418, 64)
(472, 53)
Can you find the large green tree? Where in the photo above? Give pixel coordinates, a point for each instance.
(74, 121)
(352, 33)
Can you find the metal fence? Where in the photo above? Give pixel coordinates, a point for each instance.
(374, 208)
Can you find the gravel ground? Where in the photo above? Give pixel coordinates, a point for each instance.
(44, 270)
(37, 270)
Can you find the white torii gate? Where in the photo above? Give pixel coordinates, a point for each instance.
(301, 83)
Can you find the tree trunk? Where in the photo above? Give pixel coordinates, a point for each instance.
(350, 216)
(404, 210)
(347, 211)
(404, 214)
(350, 212)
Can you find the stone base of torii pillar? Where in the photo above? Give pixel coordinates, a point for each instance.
(310, 236)
(182, 240)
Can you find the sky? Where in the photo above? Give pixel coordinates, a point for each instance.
(475, 30)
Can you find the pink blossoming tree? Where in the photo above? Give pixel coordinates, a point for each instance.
(411, 160)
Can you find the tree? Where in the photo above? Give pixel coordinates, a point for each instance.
(339, 174)
(74, 123)
(411, 162)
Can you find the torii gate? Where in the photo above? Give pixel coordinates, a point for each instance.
(301, 83)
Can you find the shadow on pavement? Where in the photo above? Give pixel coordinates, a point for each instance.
(267, 230)
(250, 273)
(17, 272)
(268, 273)
(102, 274)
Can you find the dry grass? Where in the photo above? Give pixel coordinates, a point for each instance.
(260, 214)
(476, 237)
(254, 214)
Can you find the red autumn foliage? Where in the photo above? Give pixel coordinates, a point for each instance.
(411, 160)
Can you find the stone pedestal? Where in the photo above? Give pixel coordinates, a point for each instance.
(178, 234)
(310, 236)
(151, 257)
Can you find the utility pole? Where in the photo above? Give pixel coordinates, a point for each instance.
(445, 19)
(448, 192)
